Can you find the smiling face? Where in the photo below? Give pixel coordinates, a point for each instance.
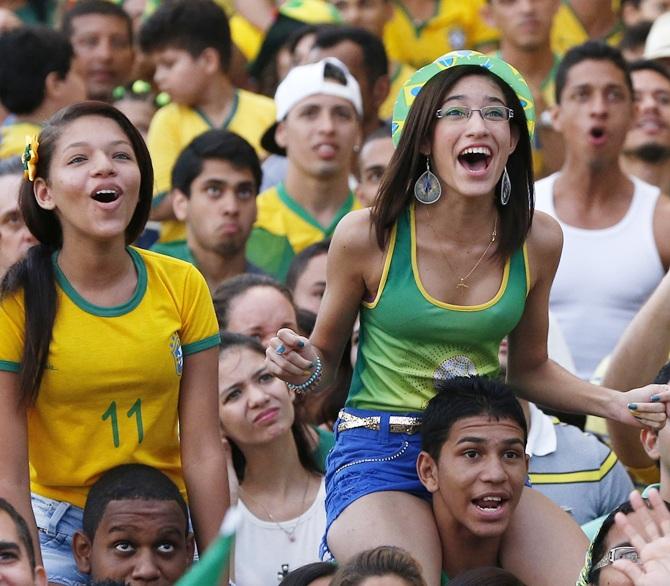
(319, 134)
(221, 208)
(138, 542)
(260, 312)
(649, 137)
(94, 180)
(469, 155)
(254, 406)
(479, 476)
(595, 112)
(103, 53)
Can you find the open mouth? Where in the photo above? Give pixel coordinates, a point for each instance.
(597, 133)
(489, 504)
(106, 195)
(475, 158)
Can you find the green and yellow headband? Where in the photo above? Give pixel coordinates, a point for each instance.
(410, 90)
(29, 158)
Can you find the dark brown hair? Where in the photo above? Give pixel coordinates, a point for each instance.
(407, 163)
(35, 273)
(231, 341)
(381, 561)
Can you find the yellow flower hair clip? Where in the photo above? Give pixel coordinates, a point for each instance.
(30, 158)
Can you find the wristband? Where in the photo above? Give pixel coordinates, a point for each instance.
(311, 382)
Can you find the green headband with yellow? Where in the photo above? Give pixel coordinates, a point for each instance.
(410, 90)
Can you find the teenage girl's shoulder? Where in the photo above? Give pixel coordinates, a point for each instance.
(166, 269)
(544, 243)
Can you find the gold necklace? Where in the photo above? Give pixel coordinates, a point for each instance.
(290, 533)
(461, 281)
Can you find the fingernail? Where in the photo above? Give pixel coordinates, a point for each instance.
(655, 398)
(306, 372)
(632, 406)
(280, 349)
(301, 344)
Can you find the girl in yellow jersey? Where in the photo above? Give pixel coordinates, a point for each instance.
(449, 259)
(105, 349)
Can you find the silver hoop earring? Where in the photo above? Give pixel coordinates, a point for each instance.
(427, 188)
(505, 188)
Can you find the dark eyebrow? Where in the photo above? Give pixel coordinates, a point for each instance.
(481, 440)
(254, 375)
(9, 546)
(487, 98)
(85, 144)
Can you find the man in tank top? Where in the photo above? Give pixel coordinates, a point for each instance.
(614, 252)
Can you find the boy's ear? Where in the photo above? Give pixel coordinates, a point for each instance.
(179, 204)
(210, 60)
(190, 548)
(426, 468)
(649, 439)
(81, 549)
(40, 576)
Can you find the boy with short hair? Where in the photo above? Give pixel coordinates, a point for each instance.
(318, 128)
(189, 40)
(135, 528)
(214, 186)
(474, 464)
(36, 80)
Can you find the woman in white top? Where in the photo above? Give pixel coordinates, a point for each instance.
(281, 491)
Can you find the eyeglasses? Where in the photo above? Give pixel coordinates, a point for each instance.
(624, 552)
(463, 113)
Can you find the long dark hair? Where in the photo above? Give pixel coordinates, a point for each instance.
(407, 163)
(35, 274)
(230, 341)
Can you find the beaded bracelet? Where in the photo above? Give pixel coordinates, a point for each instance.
(311, 382)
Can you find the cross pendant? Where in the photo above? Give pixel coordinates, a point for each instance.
(462, 284)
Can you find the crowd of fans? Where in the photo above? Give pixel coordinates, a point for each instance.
(386, 278)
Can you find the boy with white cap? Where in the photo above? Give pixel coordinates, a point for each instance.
(318, 128)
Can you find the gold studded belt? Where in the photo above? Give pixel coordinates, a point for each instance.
(397, 423)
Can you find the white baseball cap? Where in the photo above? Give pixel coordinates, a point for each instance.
(329, 76)
(658, 39)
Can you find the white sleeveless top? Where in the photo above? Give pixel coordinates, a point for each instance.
(604, 275)
(263, 547)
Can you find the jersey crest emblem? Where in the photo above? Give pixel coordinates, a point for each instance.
(177, 354)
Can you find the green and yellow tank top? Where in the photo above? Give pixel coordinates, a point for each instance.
(409, 340)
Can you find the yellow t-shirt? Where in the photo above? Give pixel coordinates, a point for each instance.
(568, 31)
(284, 228)
(401, 73)
(246, 36)
(176, 125)
(110, 391)
(455, 25)
(13, 138)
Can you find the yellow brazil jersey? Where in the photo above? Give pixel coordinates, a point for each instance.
(110, 391)
(399, 75)
(568, 31)
(13, 138)
(456, 24)
(176, 125)
(246, 36)
(283, 228)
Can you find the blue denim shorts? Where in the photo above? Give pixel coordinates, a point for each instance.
(57, 522)
(365, 461)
